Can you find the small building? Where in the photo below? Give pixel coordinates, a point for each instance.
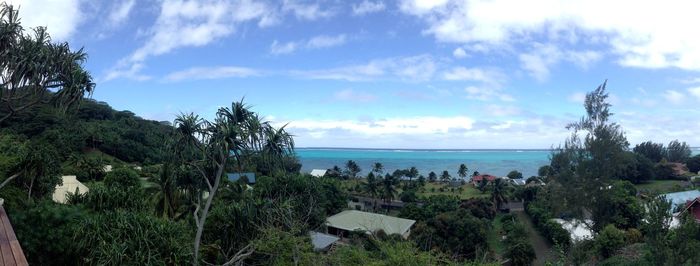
(70, 184)
(107, 168)
(322, 242)
(519, 181)
(679, 199)
(318, 172)
(693, 208)
(478, 178)
(345, 222)
(233, 177)
(577, 230)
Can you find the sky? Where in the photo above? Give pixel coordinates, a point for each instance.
(394, 74)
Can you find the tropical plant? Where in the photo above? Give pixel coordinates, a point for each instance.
(389, 189)
(352, 169)
(432, 177)
(372, 187)
(515, 174)
(378, 168)
(34, 70)
(499, 192)
(463, 170)
(678, 152)
(652, 151)
(445, 176)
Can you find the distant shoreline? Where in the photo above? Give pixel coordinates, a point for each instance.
(405, 149)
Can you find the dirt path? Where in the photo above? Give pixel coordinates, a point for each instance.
(539, 243)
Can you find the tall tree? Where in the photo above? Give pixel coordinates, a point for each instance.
(445, 176)
(352, 169)
(499, 193)
(35, 70)
(378, 168)
(678, 152)
(653, 151)
(463, 171)
(389, 189)
(372, 187)
(432, 177)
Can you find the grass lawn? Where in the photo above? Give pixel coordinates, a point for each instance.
(494, 237)
(663, 186)
(430, 189)
(468, 191)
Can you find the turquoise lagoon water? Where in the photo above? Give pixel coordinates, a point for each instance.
(495, 162)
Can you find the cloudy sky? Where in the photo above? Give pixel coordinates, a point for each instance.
(395, 74)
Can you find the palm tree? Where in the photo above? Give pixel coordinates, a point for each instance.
(371, 186)
(352, 169)
(432, 177)
(389, 190)
(378, 168)
(445, 176)
(499, 194)
(278, 144)
(462, 172)
(412, 173)
(167, 195)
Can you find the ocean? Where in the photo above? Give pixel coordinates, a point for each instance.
(494, 162)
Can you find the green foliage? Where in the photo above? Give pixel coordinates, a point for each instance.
(280, 247)
(46, 232)
(408, 196)
(352, 169)
(693, 164)
(677, 151)
(545, 171)
(132, 238)
(652, 151)
(635, 168)
(665, 171)
(105, 198)
(517, 243)
(386, 253)
(541, 216)
(618, 206)
(515, 174)
(480, 208)
(122, 178)
(609, 241)
(456, 232)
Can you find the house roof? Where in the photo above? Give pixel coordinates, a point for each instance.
(519, 181)
(318, 172)
(691, 205)
(577, 230)
(235, 176)
(322, 241)
(481, 177)
(12, 253)
(680, 198)
(352, 220)
(69, 185)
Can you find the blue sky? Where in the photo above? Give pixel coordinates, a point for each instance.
(394, 74)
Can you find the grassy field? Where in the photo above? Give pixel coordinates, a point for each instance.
(494, 236)
(663, 186)
(430, 189)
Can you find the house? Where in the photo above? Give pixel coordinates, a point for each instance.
(679, 199)
(693, 208)
(107, 168)
(318, 172)
(518, 181)
(342, 224)
(12, 253)
(577, 230)
(322, 242)
(70, 184)
(233, 177)
(478, 178)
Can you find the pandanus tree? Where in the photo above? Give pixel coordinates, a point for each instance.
(34, 70)
(208, 149)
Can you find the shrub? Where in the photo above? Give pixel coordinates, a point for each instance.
(609, 240)
(633, 235)
(122, 177)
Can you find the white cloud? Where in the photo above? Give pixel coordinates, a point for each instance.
(198, 73)
(695, 91)
(132, 73)
(674, 96)
(306, 11)
(502, 110)
(542, 57)
(354, 96)
(278, 48)
(61, 18)
(399, 125)
(323, 41)
(459, 53)
(474, 74)
(577, 97)
(120, 12)
(412, 68)
(317, 42)
(367, 7)
(636, 40)
(486, 93)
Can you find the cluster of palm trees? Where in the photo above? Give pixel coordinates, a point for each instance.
(383, 187)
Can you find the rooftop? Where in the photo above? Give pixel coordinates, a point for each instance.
(322, 241)
(680, 198)
(352, 220)
(318, 172)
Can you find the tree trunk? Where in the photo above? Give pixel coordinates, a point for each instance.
(29, 193)
(8, 180)
(205, 211)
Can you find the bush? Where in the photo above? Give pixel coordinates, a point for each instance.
(693, 164)
(633, 235)
(609, 241)
(549, 229)
(103, 198)
(122, 177)
(128, 238)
